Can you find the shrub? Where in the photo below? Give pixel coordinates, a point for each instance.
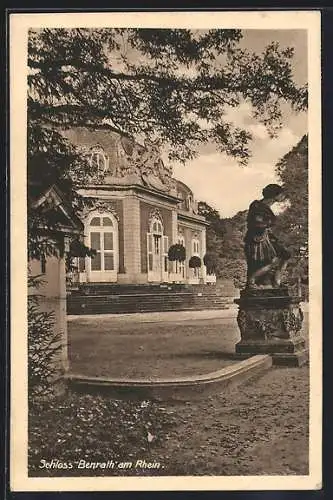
(210, 261)
(43, 346)
(234, 269)
(177, 252)
(194, 262)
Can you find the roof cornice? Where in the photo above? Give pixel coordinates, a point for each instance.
(187, 216)
(134, 187)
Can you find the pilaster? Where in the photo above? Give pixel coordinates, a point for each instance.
(203, 252)
(132, 246)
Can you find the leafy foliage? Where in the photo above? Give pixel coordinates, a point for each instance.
(95, 428)
(194, 262)
(233, 269)
(173, 86)
(43, 345)
(292, 224)
(210, 261)
(177, 252)
(77, 249)
(225, 246)
(225, 235)
(168, 84)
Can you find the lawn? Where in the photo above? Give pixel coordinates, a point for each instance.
(259, 428)
(106, 347)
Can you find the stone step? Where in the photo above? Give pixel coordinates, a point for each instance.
(102, 298)
(155, 306)
(90, 307)
(145, 297)
(128, 310)
(110, 289)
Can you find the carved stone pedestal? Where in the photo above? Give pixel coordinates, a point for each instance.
(270, 322)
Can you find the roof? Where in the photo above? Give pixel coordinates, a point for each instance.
(52, 202)
(128, 164)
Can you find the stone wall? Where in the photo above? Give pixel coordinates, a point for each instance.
(119, 209)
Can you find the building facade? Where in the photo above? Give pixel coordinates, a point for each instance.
(135, 210)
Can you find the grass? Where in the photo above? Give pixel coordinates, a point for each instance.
(151, 350)
(260, 428)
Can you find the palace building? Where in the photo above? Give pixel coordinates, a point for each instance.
(135, 210)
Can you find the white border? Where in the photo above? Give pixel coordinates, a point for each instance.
(19, 24)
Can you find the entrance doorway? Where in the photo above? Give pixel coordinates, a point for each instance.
(157, 253)
(102, 235)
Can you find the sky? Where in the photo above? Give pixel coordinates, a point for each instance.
(217, 178)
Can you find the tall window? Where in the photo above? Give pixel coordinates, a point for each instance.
(103, 239)
(196, 251)
(195, 247)
(180, 266)
(157, 249)
(154, 243)
(99, 161)
(189, 202)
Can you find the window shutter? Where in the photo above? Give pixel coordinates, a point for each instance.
(165, 244)
(149, 252)
(165, 254)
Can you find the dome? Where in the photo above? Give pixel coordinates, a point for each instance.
(122, 161)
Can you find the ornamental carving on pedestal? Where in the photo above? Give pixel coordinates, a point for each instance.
(269, 323)
(241, 321)
(292, 321)
(250, 327)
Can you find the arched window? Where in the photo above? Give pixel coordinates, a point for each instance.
(157, 251)
(99, 160)
(180, 266)
(196, 251)
(156, 227)
(181, 239)
(195, 246)
(182, 202)
(189, 202)
(102, 232)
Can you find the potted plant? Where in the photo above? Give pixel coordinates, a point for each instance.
(194, 263)
(176, 253)
(210, 261)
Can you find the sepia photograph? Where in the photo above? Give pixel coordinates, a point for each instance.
(166, 251)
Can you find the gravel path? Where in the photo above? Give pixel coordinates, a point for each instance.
(260, 428)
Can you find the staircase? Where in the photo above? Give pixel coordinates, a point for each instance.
(106, 298)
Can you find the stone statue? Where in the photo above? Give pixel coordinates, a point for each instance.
(145, 161)
(269, 318)
(266, 256)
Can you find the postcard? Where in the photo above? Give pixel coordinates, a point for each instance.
(166, 308)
